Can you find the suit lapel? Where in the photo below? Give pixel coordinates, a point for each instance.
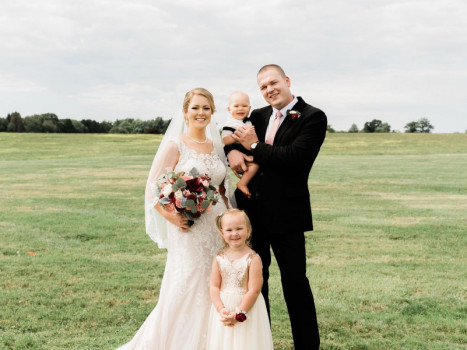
(288, 120)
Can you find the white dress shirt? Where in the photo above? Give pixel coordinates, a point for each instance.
(283, 112)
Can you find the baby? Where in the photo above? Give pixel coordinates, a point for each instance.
(239, 108)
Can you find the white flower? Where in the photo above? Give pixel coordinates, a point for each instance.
(167, 190)
(178, 194)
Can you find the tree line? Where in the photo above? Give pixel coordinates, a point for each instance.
(50, 123)
(422, 125)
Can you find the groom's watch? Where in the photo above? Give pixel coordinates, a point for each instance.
(253, 145)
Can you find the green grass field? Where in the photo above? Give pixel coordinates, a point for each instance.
(387, 259)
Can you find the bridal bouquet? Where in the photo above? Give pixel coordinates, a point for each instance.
(190, 194)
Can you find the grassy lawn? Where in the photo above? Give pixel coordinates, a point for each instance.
(387, 260)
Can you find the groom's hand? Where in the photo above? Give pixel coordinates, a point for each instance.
(246, 136)
(237, 161)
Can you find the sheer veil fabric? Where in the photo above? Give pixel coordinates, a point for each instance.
(166, 157)
(178, 321)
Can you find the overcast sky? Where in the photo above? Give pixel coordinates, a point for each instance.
(393, 60)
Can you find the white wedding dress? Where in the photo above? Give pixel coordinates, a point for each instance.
(180, 319)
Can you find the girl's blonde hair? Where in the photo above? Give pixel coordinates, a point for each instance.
(233, 211)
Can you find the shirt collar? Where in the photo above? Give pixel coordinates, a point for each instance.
(286, 108)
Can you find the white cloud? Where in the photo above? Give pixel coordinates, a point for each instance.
(357, 60)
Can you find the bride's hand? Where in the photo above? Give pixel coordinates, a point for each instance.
(178, 220)
(173, 217)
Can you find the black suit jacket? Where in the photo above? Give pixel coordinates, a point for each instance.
(280, 197)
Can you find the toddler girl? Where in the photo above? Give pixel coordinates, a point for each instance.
(238, 319)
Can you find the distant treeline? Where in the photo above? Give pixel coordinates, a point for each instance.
(50, 123)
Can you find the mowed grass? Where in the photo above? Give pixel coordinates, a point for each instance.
(387, 261)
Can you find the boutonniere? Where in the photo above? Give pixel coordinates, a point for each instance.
(294, 114)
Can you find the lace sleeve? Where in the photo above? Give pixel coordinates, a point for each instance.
(156, 225)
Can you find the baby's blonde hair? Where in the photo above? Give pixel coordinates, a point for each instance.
(233, 211)
(244, 94)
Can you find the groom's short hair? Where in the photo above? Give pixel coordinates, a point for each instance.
(272, 66)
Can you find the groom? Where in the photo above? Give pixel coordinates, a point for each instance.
(285, 142)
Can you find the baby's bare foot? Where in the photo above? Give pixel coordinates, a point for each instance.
(244, 189)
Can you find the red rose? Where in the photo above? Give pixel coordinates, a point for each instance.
(196, 215)
(240, 317)
(172, 197)
(294, 114)
(194, 185)
(191, 196)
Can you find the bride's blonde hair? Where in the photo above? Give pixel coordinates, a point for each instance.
(235, 211)
(198, 91)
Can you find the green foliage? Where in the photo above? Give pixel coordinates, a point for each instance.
(96, 127)
(33, 123)
(116, 129)
(49, 126)
(330, 129)
(353, 128)
(3, 124)
(47, 122)
(137, 126)
(15, 122)
(422, 125)
(156, 126)
(79, 127)
(386, 261)
(385, 127)
(411, 127)
(376, 125)
(65, 126)
(50, 123)
(11, 127)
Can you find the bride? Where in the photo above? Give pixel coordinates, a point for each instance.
(179, 320)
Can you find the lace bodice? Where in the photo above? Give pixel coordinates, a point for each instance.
(234, 272)
(192, 252)
(205, 163)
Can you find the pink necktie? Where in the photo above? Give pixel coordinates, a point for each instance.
(273, 130)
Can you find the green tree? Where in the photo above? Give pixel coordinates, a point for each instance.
(422, 125)
(49, 126)
(17, 121)
(65, 126)
(353, 128)
(156, 126)
(93, 126)
(330, 129)
(372, 126)
(33, 123)
(3, 124)
(118, 130)
(385, 127)
(11, 127)
(411, 127)
(137, 126)
(78, 126)
(425, 125)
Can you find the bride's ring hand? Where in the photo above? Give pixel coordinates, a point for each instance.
(178, 220)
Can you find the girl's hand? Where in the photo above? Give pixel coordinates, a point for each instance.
(229, 319)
